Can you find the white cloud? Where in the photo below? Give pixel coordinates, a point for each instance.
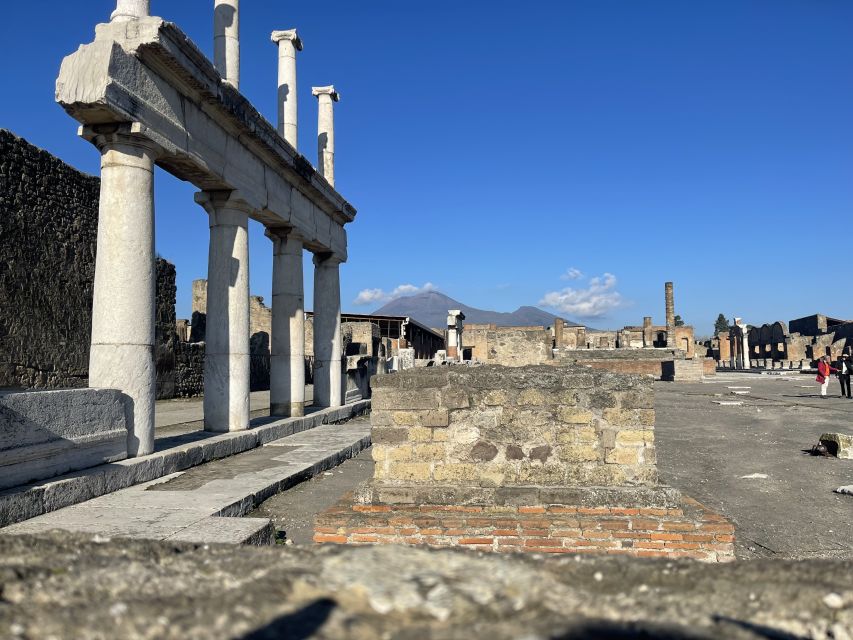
(572, 274)
(373, 296)
(595, 301)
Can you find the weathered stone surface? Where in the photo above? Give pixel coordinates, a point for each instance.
(545, 425)
(841, 444)
(74, 586)
(47, 433)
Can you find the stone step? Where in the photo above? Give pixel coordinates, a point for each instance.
(173, 454)
(204, 504)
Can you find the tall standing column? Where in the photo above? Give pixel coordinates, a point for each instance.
(670, 315)
(123, 305)
(127, 10)
(226, 40)
(226, 357)
(287, 357)
(326, 131)
(327, 331)
(288, 44)
(746, 353)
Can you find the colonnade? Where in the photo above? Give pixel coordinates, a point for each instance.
(122, 350)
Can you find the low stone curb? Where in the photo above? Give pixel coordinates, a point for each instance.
(33, 500)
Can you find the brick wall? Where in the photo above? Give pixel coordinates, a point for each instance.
(687, 531)
(508, 346)
(502, 426)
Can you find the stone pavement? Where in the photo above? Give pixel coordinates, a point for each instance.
(748, 462)
(203, 504)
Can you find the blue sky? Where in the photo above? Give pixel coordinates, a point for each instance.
(512, 153)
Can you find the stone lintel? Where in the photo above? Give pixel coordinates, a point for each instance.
(326, 91)
(287, 34)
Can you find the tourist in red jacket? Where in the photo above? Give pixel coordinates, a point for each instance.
(824, 370)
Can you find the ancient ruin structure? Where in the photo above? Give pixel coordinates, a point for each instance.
(779, 346)
(145, 95)
(666, 352)
(548, 459)
(455, 324)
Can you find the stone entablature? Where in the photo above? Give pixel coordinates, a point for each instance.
(148, 72)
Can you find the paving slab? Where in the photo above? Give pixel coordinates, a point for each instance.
(203, 504)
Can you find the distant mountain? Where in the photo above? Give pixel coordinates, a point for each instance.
(431, 309)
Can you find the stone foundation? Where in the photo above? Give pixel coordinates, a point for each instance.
(539, 458)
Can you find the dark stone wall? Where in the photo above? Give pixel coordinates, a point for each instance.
(48, 226)
(166, 337)
(189, 369)
(48, 239)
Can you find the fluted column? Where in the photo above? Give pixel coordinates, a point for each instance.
(226, 358)
(326, 96)
(288, 44)
(327, 331)
(127, 10)
(226, 40)
(287, 353)
(123, 305)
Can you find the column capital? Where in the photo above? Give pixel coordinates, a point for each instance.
(326, 91)
(134, 134)
(216, 203)
(328, 260)
(287, 34)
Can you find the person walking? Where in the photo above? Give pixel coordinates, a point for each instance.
(824, 370)
(845, 369)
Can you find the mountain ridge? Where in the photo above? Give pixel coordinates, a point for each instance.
(430, 308)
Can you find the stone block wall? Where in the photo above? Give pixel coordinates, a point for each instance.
(189, 369)
(165, 328)
(508, 346)
(501, 426)
(48, 226)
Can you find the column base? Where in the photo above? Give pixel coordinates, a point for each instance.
(130, 369)
(226, 392)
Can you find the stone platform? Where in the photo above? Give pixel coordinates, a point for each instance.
(540, 458)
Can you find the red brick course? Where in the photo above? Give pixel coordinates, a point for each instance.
(692, 531)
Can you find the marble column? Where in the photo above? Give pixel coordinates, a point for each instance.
(226, 40)
(127, 10)
(327, 331)
(746, 353)
(326, 131)
(670, 315)
(226, 358)
(123, 305)
(288, 44)
(287, 352)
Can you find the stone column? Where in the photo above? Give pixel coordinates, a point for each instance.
(123, 305)
(648, 333)
(226, 357)
(670, 315)
(127, 10)
(327, 331)
(746, 353)
(226, 40)
(288, 44)
(287, 349)
(326, 131)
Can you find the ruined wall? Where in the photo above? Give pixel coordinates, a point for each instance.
(165, 329)
(508, 346)
(48, 226)
(189, 369)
